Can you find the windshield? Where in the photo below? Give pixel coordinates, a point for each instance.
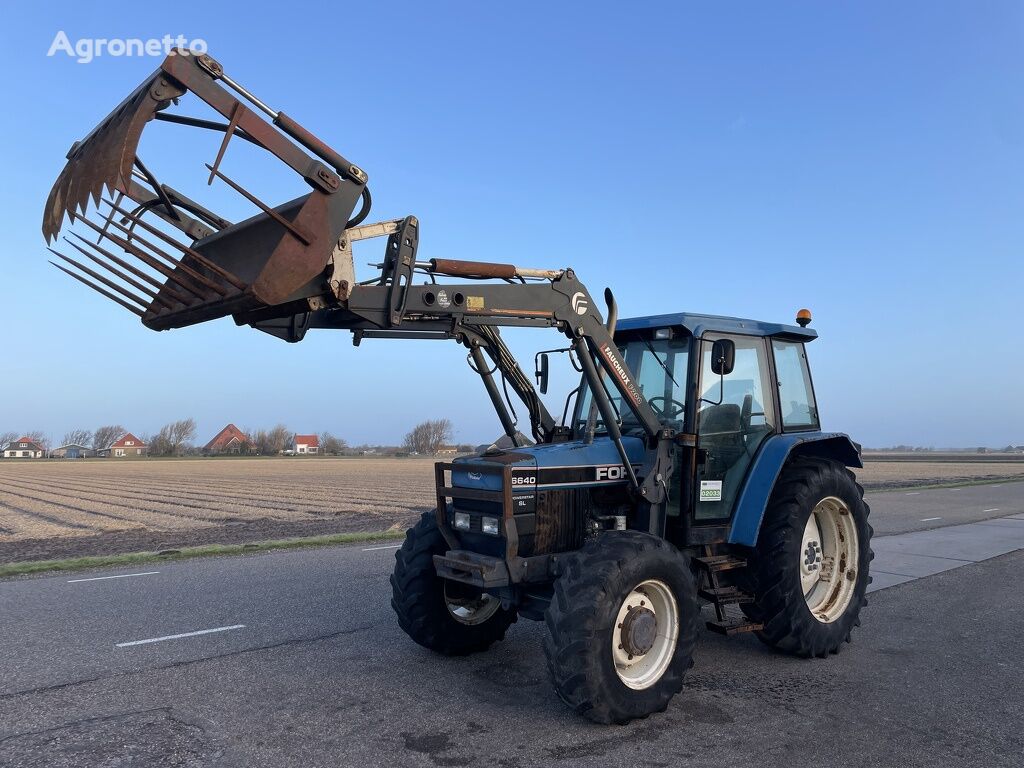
(659, 368)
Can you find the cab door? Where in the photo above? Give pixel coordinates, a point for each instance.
(735, 414)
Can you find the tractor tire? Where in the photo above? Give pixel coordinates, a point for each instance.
(447, 617)
(605, 671)
(815, 525)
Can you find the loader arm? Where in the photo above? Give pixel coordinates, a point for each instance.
(471, 313)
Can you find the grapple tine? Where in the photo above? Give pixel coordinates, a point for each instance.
(107, 219)
(164, 287)
(228, 276)
(149, 261)
(153, 294)
(133, 235)
(97, 276)
(119, 261)
(96, 288)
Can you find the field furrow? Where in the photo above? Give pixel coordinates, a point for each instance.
(91, 513)
(54, 523)
(230, 496)
(213, 508)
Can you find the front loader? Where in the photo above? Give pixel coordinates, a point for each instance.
(687, 470)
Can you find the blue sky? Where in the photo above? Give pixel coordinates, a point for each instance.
(863, 159)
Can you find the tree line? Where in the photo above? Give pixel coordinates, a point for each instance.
(177, 439)
(172, 439)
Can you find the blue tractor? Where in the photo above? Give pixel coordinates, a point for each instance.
(761, 518)
(688, 468)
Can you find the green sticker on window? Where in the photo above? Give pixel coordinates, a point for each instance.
(710, 490)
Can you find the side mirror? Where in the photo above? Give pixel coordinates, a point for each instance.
(542, 372)
(723, 356)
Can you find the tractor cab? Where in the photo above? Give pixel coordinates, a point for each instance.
(724, 386)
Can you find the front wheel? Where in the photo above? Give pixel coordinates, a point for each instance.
(622, 625)
(810, 568)
(445, 616)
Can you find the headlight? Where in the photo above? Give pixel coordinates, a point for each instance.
(489, 525)
(462, 521)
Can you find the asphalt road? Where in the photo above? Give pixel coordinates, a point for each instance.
(309, 668)
(918, 510)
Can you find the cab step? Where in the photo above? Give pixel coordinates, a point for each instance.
(719, 563)
(722, 596)
(735, 627)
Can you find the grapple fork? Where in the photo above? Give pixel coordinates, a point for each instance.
(278, 256)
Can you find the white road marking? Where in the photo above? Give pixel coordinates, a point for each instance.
(996, 486)
(914, 493)
(176, 637)
(122, 576)
(954, 489)
(374, 549)
(929, 519)
(991, 510)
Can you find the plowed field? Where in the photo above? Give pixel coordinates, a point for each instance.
(68, 508)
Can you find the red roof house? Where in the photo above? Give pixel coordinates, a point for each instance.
(305, 444)
(127, 446)
(229, 440)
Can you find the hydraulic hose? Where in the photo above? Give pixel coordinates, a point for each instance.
(364, 211)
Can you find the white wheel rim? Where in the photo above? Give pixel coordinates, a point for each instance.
(471, 611)
(645, 634)
(828, 559)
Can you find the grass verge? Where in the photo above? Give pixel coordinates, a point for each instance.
(208, 550)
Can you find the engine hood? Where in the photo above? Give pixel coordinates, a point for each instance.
(547, 467)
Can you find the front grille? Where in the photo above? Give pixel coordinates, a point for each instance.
(561, 518)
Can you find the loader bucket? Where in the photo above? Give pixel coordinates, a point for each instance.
(209, 267)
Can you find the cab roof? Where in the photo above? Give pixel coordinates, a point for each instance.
(698, 325)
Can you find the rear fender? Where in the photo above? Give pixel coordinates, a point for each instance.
(767, 466)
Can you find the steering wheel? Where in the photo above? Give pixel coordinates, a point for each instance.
(745, 412)
(671, 409)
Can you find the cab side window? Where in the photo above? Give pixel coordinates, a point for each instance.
(796, 396)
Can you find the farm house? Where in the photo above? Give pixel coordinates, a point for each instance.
(24, 448)
(129, 446)
(229, 440)
(303, 445)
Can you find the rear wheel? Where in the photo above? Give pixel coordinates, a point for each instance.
(448, 617)
(622, 625)
(809, 571)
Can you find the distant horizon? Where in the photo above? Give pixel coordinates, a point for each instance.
(146, 436)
